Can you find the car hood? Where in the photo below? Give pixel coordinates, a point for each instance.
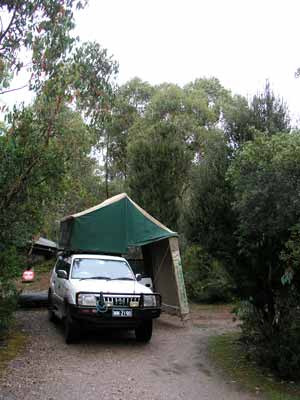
(115, 286)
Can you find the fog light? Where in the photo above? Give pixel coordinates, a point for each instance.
(134, 304)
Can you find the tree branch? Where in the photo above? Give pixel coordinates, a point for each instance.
(13, 90)
(51, 122)
(9, 25)
(21, 180)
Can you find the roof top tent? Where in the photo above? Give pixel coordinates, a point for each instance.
(119, 223)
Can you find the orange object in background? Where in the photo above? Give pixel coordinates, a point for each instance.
(28, 275)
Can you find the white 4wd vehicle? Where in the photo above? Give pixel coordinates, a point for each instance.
(103, 291)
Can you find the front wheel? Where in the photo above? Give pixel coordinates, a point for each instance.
(143, 333)
(72, 329)
(51, 315)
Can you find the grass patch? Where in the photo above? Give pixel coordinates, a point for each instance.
(45, 266)
(10, 347)
(195, 307)
(227, 354)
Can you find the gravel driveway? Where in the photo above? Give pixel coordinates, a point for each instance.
(113, 366)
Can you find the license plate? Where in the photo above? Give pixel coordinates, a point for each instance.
(122, 313)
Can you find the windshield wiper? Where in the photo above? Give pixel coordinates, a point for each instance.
(96, 277)
(123, 278)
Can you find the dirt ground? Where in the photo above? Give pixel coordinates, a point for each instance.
(113, 366)
(40, 283)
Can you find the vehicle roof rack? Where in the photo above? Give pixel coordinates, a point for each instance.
(70, 252)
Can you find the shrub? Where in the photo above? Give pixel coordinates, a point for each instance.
(265, 180)
(272, 338)
(274, 344)
(205, 278)
(8, 303)
(10, 267)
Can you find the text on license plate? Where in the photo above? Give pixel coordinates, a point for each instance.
(122, 313)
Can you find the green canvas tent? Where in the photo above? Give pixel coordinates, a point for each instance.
(111, 227)
(118, 224)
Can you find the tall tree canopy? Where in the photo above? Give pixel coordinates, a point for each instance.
(40, 143)
(263, 113)
(209, 220)
(43, 29)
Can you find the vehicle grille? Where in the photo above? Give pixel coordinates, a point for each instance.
(120, 301)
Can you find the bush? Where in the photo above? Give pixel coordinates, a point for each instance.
(274, 344)
(265, 180)
(8, 303)
(272, 337)
(10, 267)
(205, 278)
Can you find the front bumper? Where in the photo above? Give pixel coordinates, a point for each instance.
(89, 316)
(93, 316)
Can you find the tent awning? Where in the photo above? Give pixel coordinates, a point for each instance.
(111, 227)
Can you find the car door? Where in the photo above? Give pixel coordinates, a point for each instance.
(62, 284)
(59, 284)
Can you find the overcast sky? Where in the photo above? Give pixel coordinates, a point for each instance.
(241, 42)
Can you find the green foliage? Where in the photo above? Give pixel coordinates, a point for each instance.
(242, 209)
(129, 106)
(138, 106)
(208, 218)
(206, 279)
(14, 343)
(165, 137)
(274, 345)
(265, 177)
(36, 155)
(41, 27)
(290, 257)
(158, 166)
(90, 73)
(45, 163)
(237, 123)
(183, 153)
(269, 114)
(205, 101)
(10, 264)
(264, 113)
(227, 352)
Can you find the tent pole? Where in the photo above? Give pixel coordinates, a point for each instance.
(176, 261)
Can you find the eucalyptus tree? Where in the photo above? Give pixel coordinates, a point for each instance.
(41, 144)
(40, 27)
(166, 141)
(264, 112)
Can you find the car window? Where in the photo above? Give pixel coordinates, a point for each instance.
(64, 265)
(67, 267)
(59, 264)
(92, 268)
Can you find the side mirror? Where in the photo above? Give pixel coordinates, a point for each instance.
(62, 274)
(138, 277)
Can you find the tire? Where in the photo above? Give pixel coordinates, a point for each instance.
(51, 315)
(72, 329)
(143, 333)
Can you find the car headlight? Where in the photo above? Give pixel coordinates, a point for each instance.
(86, 299)
(149, 300)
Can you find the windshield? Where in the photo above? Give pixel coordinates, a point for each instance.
(87, 268)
